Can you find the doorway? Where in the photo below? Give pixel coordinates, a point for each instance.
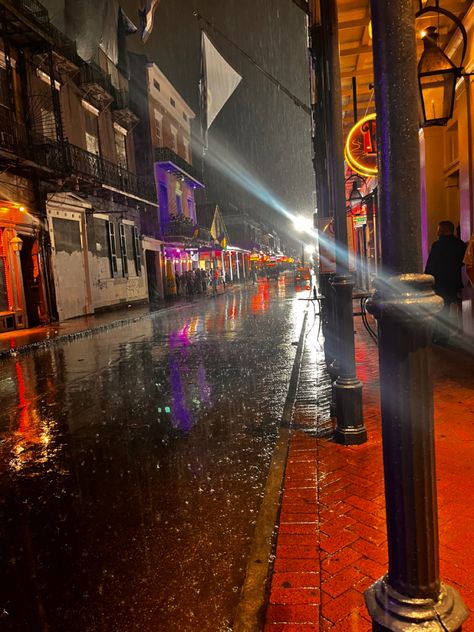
(32, 286)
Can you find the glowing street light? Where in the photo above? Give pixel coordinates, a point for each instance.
(302, 224)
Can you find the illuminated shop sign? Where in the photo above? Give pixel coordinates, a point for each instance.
(361, 147)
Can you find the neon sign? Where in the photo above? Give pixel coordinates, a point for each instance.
(361, 147)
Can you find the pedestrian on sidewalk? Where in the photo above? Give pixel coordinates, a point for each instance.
(469, 260)
(445, 263)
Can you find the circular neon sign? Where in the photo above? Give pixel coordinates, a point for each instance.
(361, 147)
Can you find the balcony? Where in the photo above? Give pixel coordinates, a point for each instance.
(92, 171)
(35, 11)
(13, 137)
(170, 162)
(96, 84)
(182, 229)
(122, 111)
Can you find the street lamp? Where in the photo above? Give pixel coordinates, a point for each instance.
(302, 224)
(355, 196)
(16, 243)
(437, 77)
(437, 74)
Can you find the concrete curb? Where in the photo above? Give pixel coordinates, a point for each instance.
(249, 614)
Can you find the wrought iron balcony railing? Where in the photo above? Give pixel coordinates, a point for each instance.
(35, 11)
(13, 137)
(96, 82)
(169, 160)
(181, 228)
(122, 109)
(65, 159)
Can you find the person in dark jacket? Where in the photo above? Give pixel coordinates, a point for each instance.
(444, 263)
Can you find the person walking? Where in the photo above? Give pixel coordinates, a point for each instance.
(444, 263)
(469, 260)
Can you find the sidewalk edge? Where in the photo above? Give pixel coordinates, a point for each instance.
(249, 613)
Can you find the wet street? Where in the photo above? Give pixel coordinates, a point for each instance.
(133, 464)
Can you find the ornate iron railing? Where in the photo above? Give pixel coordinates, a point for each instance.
(67, 159)
(167, 155)
(13, 135)
(181, 228)
(92, 74)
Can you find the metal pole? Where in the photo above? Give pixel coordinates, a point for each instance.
(350, 429)
(411, 597)
(302, 254)
(321, 123)
(354, 99)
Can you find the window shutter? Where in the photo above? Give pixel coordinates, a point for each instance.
(112, 248)
(137, 254)
(123, 250)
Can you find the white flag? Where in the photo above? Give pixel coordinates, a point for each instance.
(220, 79)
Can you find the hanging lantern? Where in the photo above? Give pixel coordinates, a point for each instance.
(437, 76)
(355, 196)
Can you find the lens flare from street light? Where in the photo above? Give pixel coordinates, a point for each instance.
(302, 223)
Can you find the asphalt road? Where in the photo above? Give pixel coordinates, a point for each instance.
(133, 463)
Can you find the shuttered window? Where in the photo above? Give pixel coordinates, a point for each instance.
(123, 250)
(137, 251)
(112, 248)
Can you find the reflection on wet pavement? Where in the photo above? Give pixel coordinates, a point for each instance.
(133, 464)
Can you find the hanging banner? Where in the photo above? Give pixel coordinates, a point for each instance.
(220, 80)
(360, 151)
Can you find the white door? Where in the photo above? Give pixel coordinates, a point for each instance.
(69, 263)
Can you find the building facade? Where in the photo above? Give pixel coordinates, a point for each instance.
(165, 148)
(70, 191)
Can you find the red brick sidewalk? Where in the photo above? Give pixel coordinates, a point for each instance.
(332, 541)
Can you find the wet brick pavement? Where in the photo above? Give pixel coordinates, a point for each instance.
(331, 541)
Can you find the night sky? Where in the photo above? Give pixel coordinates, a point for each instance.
(261, 134)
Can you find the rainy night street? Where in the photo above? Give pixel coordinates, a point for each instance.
(133, 464)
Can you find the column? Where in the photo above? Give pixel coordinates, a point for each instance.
(411, 596)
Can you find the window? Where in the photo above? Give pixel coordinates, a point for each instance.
(179, 204)
(137, 251)
(174, 139)
(186, 150)
(158, 128)
(173, 102)
(123, 250)
(121, 148)
(92, 132)
(157, 85)
(163, 201)
(112, 248)
(191, 207)
(185, 117)
(4, 85)
(48, 124)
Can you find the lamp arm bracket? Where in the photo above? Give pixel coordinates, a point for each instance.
(453, 18)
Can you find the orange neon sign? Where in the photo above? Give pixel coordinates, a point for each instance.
(361, 147)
